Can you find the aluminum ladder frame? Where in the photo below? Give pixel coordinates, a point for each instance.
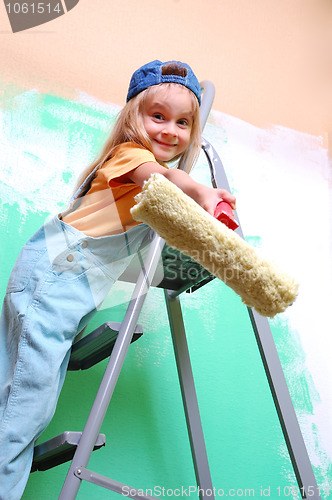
(296, 447)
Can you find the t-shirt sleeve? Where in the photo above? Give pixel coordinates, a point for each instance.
(126, 157)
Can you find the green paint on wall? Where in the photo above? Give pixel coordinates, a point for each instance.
(147, 445)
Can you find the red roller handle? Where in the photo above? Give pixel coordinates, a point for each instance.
(224, 213)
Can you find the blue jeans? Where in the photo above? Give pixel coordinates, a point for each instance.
(59, 280)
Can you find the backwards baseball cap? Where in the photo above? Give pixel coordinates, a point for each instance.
(157, 72)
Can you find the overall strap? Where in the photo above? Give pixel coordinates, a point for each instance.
(81, 191)
(85, 186)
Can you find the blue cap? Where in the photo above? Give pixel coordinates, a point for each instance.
(152, 74)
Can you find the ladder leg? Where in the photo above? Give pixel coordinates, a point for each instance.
(107, 386)
(284, 406)
(194, 425)
(275, 375)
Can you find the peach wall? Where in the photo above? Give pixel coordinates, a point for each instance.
(270, 61)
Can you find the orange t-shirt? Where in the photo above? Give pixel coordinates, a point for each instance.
(105, 208)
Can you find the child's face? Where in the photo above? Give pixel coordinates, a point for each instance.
(168, 119)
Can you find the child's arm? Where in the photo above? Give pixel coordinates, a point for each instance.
(206, 197)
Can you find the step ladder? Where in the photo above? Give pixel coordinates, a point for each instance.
(113, 339)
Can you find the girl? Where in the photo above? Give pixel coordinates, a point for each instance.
(66, 269)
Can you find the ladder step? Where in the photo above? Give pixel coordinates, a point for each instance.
(97, 345)
(59, 449)
(177, 271)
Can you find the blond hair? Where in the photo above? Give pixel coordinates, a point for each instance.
(129, 128)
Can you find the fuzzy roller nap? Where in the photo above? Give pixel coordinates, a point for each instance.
(184, 225)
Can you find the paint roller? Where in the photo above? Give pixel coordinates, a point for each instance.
(186, 226)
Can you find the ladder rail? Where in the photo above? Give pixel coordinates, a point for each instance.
(278, 386)
(112, 372)
(97, 414)
(189, 397)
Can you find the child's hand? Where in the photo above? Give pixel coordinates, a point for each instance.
(210, 197)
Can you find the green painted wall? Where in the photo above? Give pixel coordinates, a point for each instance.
(146, 441)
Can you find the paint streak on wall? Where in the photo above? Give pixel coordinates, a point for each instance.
(275, 173)
(50, 137)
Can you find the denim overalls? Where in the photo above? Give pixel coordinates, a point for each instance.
(58, 282)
